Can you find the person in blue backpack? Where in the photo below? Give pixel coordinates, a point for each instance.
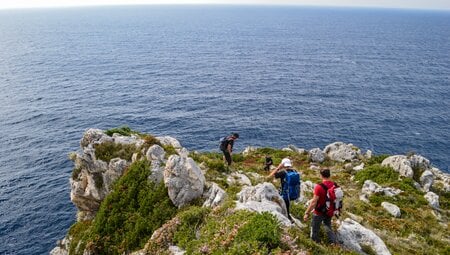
(290, 182)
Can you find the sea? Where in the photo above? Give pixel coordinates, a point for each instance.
(377, 78)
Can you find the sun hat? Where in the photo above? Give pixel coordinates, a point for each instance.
(286, 162)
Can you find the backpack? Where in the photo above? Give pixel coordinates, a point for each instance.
(223, 142)
(333, 201)
(291, 185)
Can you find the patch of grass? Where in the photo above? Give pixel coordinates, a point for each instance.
(240, 232)
(130, 213)
(377, 173)
(78, 233)
(377, 159)
(170, 150)
(108, 150)
(191, 220)
(123, 130)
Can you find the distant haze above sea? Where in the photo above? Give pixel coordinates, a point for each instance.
(379, 79)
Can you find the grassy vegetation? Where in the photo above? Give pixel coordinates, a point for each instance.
(108, 150)
(124, 130)
(128, 215)
(136, 207)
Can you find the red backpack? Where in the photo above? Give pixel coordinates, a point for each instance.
(333, 202)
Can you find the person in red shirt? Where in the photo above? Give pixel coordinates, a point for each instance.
(316, 204)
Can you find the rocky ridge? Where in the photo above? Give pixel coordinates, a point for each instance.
(196, 178)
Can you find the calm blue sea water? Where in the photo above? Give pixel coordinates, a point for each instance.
(377, 78)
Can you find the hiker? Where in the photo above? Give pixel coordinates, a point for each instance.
(317, 203)
(226, 146)
(287, 191)
(268, 163)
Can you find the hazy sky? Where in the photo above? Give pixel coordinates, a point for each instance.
(420, 4)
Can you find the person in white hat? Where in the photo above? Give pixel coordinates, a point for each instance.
(280, 173)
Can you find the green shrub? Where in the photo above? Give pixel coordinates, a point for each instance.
(76, 173)
(130, 213)
(377, 173)
(108, 150)
(191, 221)
(170, 150)
(78, 233)
(262, 228)
(377, 159)
(124, 130)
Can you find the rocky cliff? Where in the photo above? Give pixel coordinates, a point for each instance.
(139, 194)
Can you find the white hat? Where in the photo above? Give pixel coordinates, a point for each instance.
(286, 162)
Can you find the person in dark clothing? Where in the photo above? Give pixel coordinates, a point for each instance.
(268, 163)
(280, 173)
(319, 201)
(226, 146)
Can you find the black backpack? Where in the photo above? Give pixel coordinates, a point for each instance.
(223, 143)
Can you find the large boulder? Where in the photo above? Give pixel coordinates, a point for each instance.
(249, 150)
(432, 199)
(155, 152)
(354, 236)
(184, 180)
(342, 152)
(296, 149)
(263, 197)
(214, 196)
(419, 162)
(93, 136)
(392, 209)
(400, 164)
(427, 180)
(170, 141)
(316, 155)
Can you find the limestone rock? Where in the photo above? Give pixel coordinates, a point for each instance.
(368, 154)
(263, 197)
(342, 152)
(296, 149)
(316, 155)
(370, 187)
(239, 179)
(432, 199)
(183, 179)
(287, 149)
(155, 152)
(392, 209)
(157, 171)
(214, 196)
(168, 140)
(400, 164)
(175, 250)
(426, 180)
(133, 139)
(305, 187)
(62, 247)
(116, 168)
(359, 167)
(353, 235)
(93, 136)
(419, 162)
(248, 150)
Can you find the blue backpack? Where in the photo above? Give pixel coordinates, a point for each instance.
(291, 185)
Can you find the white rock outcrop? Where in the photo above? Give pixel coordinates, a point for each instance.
(353, 235)
(342, 152)
(239, 179)
(155, 152)
(263, 197)
(432, 199)
(359, 167)
(248, 150)
(426, 180)
(215, 195)
(392, 209)
(184, 180)
(400, 164)
(316, 155)
(371, 187)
